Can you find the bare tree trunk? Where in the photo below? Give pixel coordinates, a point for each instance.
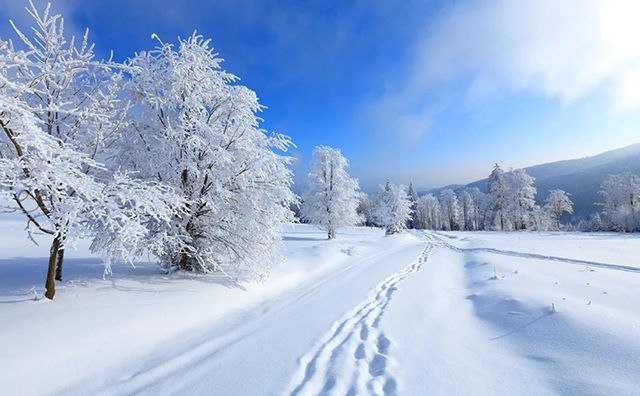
(331, 234)
(183, 264)
(59, 265)
(50, 284)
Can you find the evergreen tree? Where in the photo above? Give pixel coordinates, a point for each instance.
(413, 196)
(498, 197)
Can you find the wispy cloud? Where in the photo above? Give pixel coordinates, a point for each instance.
(562, 49)
(16, 10)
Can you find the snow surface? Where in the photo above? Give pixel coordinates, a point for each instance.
(415, 313)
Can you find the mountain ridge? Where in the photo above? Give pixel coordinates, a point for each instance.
(580, 177)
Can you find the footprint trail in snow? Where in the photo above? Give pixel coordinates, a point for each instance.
(353, 357)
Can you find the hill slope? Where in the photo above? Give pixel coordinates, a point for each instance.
(580, 177)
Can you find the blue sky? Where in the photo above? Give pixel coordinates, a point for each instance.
(429, 91)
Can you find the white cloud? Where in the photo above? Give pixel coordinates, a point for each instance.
(566, 49)
(16, 10)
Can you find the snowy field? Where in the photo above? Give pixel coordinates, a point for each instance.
(417, 313)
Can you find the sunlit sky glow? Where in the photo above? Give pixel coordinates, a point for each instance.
(431, 91)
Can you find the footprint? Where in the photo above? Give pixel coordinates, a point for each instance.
(390, 291)
(359, 353)
(364, 333)
(383, 344)
(378, 365)
(390, 387)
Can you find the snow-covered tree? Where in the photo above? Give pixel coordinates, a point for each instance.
(59, 112)
(413, 196)
(522, 198)
(450, 207)
(331, 199)
(557, 203)
(366, 210)
(466, 208)
(621, 206)
(592, 224)
(429, 213)
(471, 201)
(498, 198)
(392, 208)
(478, 208)
(195, 129)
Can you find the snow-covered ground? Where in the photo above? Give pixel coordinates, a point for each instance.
(416, 313)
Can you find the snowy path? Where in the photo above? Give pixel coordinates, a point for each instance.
(280, 330)
(353, 357)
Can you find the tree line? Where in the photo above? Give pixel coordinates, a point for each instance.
(620, 208)
(333, 200)
(509, 204)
